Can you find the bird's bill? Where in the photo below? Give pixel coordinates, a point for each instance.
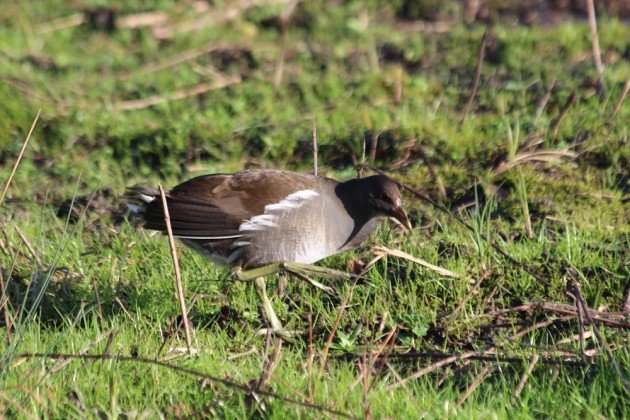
(399, 214)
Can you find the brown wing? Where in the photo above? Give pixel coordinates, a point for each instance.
(214, 206)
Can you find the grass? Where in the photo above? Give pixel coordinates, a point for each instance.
(97, 284)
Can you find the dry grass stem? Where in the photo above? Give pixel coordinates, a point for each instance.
(65, 22)
(475, 84)
(4, 304)
(174, 96)
(188, 55)
(178, 278)
(180, 369)
(622, 97)
(526, 374)
(212, 18)
(545, 99)
(597, 55)
(28, 245)
(612, 319)
(400, 254)
(138, 20)
(475, 384)
(270, 365)
(315, 149)
(563, 113)
(20, 155)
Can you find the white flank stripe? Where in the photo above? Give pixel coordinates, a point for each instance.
(240, 243)
(146, 198)
(267, 220)
(211, 238)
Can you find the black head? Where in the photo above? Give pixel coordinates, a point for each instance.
(377, 195)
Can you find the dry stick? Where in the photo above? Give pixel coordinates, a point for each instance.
(180, 94)
(180, 369)
(626, 89)
(526, 374)
(436, 365)
(4, 304)
(575, 290)
(28, 245)
(597, 55)
(310, 357)
(284, 19)
(475, 86)
(400, 254)
(475, 383)
(612, 319)
(491, 357)
(315, 147)
(580, 318)
(545, 99)
(19, 158)
(178, 278)
(175, 60)
(563, 112)
(626, 303)
(466, 298)
(270, 365)
(373, 145)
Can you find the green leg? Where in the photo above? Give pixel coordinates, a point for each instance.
(254, 273)
(282, 285)
(270, 314)
(313, 270)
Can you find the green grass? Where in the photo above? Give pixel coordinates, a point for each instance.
(98, 284)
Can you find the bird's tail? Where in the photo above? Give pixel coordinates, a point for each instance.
(137, 198)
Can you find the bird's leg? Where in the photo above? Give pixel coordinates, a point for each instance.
(270, 314)
(253, 273)
(313, 270)
(282, 284)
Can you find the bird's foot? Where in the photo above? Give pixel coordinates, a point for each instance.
(282, 333)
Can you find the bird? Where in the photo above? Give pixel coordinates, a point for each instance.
(260, 222)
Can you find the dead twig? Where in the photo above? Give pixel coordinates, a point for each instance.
(178, 279)
(597, 55)
(180, 369)
(270, 365)
(475, 85)
(546, 358)
(382, 250)
(470, 294)
(622, 97)
(314, 147)
(611, 319)
(475, 384)
(188, 55)
(28, 245)
(563, 112)
(545, 99)
(4, 304)
(20, 155)
(213, 17)
(574, 289)
(180, 94)
(526, 374)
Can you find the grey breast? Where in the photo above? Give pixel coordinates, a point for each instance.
(305, 227)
